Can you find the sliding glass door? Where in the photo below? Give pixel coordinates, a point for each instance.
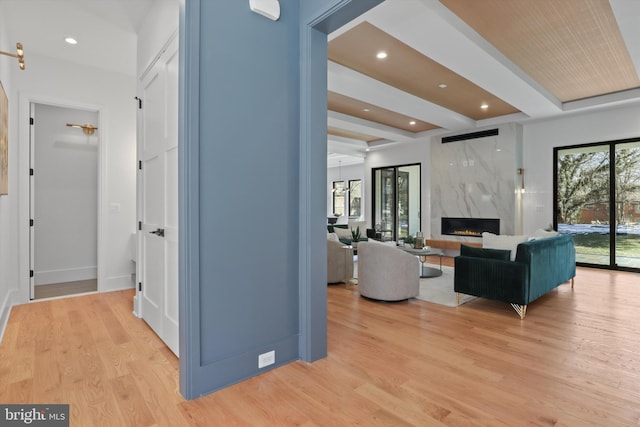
(396, 201)
(597, 201)
(627, 206)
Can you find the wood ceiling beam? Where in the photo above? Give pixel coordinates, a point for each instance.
(436, 32)
(351, 83)
(355, 124)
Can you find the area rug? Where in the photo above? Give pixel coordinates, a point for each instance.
(439, 290)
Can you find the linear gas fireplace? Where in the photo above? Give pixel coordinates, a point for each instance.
(469, 227)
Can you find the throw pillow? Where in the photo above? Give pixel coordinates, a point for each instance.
(343, 233)
(500, 254)
(543, 234)
(493, 241)
(333, 236)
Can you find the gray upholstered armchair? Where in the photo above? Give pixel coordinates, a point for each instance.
(386, 272)
(339, 262)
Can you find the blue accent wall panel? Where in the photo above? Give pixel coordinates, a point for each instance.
(252, 182)
(247, 200)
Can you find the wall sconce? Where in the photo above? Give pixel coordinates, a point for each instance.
(521, 173)
(88, 129)
(19, 54)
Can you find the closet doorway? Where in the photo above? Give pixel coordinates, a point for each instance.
(64, 159)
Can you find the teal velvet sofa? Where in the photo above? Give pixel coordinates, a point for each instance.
(540, 266)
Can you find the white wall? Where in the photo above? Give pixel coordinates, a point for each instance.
(539, 140)
(66, 196)
(9, 289)
(396, 155)
(51, 81)
(156, 29)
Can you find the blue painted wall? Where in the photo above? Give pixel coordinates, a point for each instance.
(252, 182)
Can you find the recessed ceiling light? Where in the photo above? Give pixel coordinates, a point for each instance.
(366, 110)
(71, 40)
(442, 85)
(484, 106)
(367, 149)
(412, 122)
(498, 149)
(381, 55)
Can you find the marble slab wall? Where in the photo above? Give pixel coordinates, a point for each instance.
(476, 178)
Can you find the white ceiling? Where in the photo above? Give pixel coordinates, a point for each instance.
(436, 32)
(105, 29)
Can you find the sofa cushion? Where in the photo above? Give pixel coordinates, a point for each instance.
(333, 236)
(493, 241)
(330, 227)
(501, 254)
(343, 233)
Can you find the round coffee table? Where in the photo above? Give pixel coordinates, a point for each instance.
(422, 254)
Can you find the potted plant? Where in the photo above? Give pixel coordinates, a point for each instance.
(355, 236)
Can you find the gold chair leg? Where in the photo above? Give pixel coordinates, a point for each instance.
(457, 298)
(520, 309)
(572, 282)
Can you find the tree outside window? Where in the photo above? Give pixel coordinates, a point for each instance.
(338, 198)
(355, 197)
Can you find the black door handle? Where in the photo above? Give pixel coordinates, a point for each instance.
(158, 232)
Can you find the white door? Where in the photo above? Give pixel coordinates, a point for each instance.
(32, 198)
(158, 197)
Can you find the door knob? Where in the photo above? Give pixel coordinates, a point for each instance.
(158, 232)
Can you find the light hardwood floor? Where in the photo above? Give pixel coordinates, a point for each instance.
(574, 361)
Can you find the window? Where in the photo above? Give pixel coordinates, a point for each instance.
(338, 198)
(596, 186)
(396, 201)
(355, 197)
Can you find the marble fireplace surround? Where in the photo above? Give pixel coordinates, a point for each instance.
(477, 178)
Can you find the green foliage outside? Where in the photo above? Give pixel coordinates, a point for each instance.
(583, 180)
(598, 244)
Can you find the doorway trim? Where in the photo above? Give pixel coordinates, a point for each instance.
(24, 146)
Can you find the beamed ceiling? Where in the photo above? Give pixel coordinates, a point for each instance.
(521, 59)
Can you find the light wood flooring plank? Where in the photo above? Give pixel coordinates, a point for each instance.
(574, 361)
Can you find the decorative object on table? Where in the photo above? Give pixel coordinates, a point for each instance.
(332, 219)
(419, 242)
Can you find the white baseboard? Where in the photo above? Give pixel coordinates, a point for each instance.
(116, 283)
(10, 300)
(65, 275)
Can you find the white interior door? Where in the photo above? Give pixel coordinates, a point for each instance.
(158, 197)
(32, 195)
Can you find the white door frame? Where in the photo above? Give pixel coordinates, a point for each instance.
(24, 155)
